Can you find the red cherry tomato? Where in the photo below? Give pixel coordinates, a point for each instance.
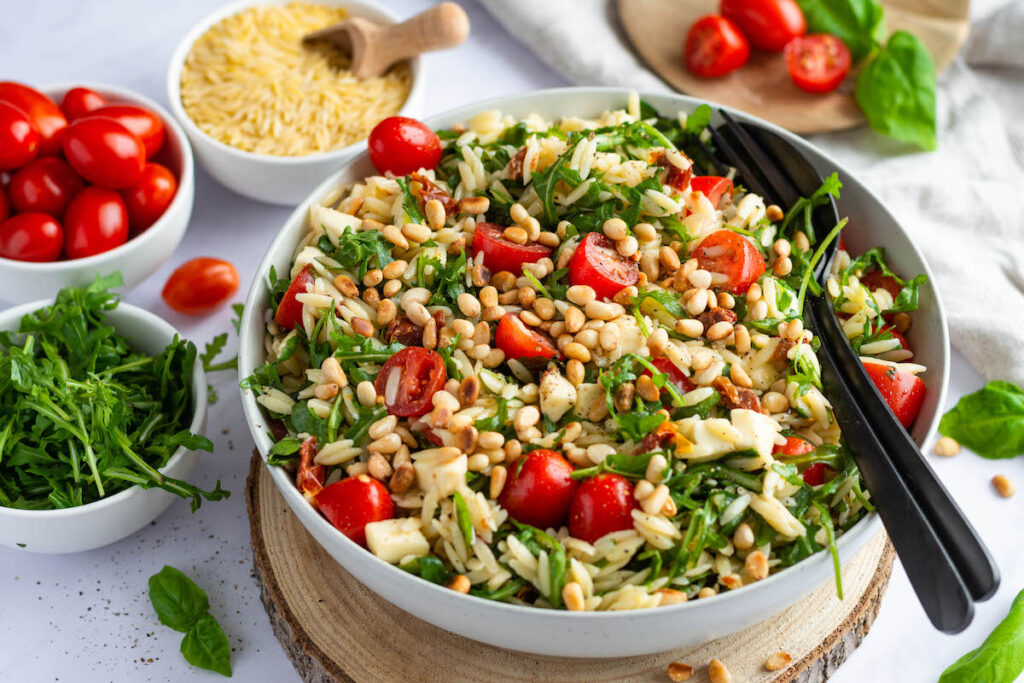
(19, 139)
(519, 341)
(876, 279)
(5, 205)
(402, 145)
(795, 445)
(310, 477)
(45, 115)
(817, 474)
(899, 337)
(96, 221)
(289, 311)
(713, 187)
(104, 152)
(149, 198)
(714, 47)
(78, 102)
(502, 254)
(597, 264)
(539, 490)
(200, 286)
(675, 375)
(723, 251)
(144, 123)
(46, 185)
(409, 380)
(602, 505)
(31, 237)
(817, 63)
(903, 391)
(769, 24)
(351, 504)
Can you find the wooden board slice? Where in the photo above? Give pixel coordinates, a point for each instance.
(658, 28)
(334, 629)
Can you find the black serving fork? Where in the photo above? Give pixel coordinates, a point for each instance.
(948, 565)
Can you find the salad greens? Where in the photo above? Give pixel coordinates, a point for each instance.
(990, 421)
(182, 605)
(1000, 658)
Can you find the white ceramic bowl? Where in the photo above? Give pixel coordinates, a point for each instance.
(263, 177)
(105, 521)
(140, 256)
(601, 634)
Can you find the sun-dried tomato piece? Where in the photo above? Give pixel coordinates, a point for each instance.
(716, 315)
(736, 397)
(406, 332)
(428, 191)
(310, 477)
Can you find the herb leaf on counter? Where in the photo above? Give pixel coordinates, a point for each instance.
(990, 421)
(858, 23)
(999, 658)
(182, 605)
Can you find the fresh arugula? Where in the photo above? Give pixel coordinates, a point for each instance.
(990, 421)
(183, 606)
(361, 250)
(445, 280)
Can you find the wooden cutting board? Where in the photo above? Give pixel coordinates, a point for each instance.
(334, 629)
(658, 28)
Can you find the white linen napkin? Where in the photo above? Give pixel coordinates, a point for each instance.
(963, 204)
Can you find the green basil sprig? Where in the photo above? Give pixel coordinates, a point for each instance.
(999, 658)
(183, 606)
(990, 421)
(858, 23)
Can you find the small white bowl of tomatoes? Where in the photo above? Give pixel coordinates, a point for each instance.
(93, 178)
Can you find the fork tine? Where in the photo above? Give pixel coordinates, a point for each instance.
(718, 167)
(752, 179)
(777, 179)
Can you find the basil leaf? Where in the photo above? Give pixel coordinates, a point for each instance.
(206, 646)
(990, 421)
(178, 601)
(896, 91)
(999, 658)
(858, 23)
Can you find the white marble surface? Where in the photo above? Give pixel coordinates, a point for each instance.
(87, 617)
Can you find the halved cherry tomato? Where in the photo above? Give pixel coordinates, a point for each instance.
(769, 24)
(817, 474)
(675, 375)
(817, 63)
(714, 47)
(723, 251)
(602, 505)
(876, 279)
(539, 489)
(95, 221)
(104, 152)
(145, 124)
(289, 311)
(713, 187)
(5, 205)
(899, 337)
(46, 185)
(409, 380)
(19, 139)
(596, 264)
(795, 445)
(200, 286)
(78, 102)
(903, 391)
(31, 237)
(149, 198)
(351, 504)
(309, 478)
(402, 145)
(519, 341)
(45, 115)
(502, 254)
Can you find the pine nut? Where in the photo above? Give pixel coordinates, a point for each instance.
(609, 337)
(388, 443)
(720, 330)
(332, 372)
(414, 232)
(479, 351)
(655, 466)
(459, 583)
(466, 438)
(346, 286)
(516, 234)
(435, 213)
(774, 402)
(393, 234)
(645, 232)
(774, 213)
(669, 259)
(625, 295)
(527, 416)
(373, 277)
(653, 503)
(493, 359)
(647, 389)
(572, 594)
(481, 275)
(598, 411)
(518, 213)
(548, 239)
(756, 565)
(545, 308)
(382, 427)
(795, 329)
(678, 671)
(689, 327)
(947, 447)
(706, 592)
(490, 440)
(696, 301)
(783, 266)
(378, 467)
(403, 478)
(1003, 485)
(577, 351)
(718, 673)
(657, 342)
(581, 295)
(492, 313)
(468, 304)
(392, 287)
(700, 278)
(743, 537)
(627, 246)
(574, 320)
(366, 393)
(782, 247)
(489, 296)
(754, 293)
(508, 298)
(649, 265)
(526, 296)
(574, 372)
(800, 241)
(469, 390)
(615, 228)
(624, 397)
(643, 489)
(474, 205)
(731, 581)
(587, 337)
(418, 314)
(726, 300)
(598, 310)
(372, 297)
(740, 377)
(325, 392)
(670, 596)
(498, 476)
(362, 327)
(429, 338)
(779, 660)
(759, 311)
(680, 280)
(741, 336)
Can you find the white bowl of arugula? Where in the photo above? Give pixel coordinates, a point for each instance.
(103, 408)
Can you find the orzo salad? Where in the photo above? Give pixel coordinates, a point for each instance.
(559, 367)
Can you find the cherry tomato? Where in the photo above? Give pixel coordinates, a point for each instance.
(713, 187)
(78, 102)
(104, 152)
(539, 490)
(200, 286)
(795, 445)
(409, 380)
(817, 63)
(289, 311)
(45, 115)
(402, 145)
(876, 279)
(519, 341)
(96, 221)
(502, 254)
(817, 474)
(351, 504)
(903, 391)
(769, 24)
(597, 264)
(46, 185)
(5, 205)
(723, 251)
(675, 376)
(144, 123)
(19, 139)
(714, 47)
(31, 237)
(601, 505)
(309, 478)
(149, 198)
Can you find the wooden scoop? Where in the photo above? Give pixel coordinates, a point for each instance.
(374, 47)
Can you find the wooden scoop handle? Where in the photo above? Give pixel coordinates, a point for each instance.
(438, 28)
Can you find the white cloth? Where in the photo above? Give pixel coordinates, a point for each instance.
(963, 204)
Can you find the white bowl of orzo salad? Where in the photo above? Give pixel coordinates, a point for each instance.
(559, 397)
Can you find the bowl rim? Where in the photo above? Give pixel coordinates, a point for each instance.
(852, 538)
(199, 403)
(185, 182)
(177, 63)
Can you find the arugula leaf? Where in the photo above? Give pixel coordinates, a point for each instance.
(409, 205)
(497, 422)
(990, 421)
(178, 601)
(465, 522)
(698, 119)
(447, 281)
(999, 658)
(284, 451)
(702, 408)
(799, 216)
(858, 23)
(206, 646)
(362, 250)
(427, 567)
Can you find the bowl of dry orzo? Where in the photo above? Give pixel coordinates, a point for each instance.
(555, 394)
(269, 117)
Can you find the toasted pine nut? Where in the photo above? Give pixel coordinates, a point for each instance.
(647, 389)
(459, 583)
(435, 212)
(544, 308)
(609, 337)
(800, 241)
(756, 565)
(490, 440)
(366, 393)
(516, 234)
(373, 277)
(382, 427)
(783, 266)
(627, 246)
(498, 476)
(697, 301)
(581, 295)
(414, 232)
(669, 259)
(378, 467)
(469, 390)
(392, 287)
(718, 673)
(492, 313)
(720, 330)
(726, 300)
(946, 446)
(394, 235)
(741, 336)
(527, 416)
(740, 377)
(468, 304)
(678, 671)
(325, 392)
(474, 205)
(690, 327)
(574, 320)
(753, 294)
(362, 327)
(388, 443)
(670, 596)
(645, 232)
(394, 269)
(332, 372)
(623, 397)
(466, 439)
(655, 466)
(588, 337)
(577, 351)
(346, 286)
(743, 537)
(572, 594)
(1003, 485)
(777, 661)
(706, 592)
(657, 342)
(615, 228)
(782, 247)
(429, 338)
